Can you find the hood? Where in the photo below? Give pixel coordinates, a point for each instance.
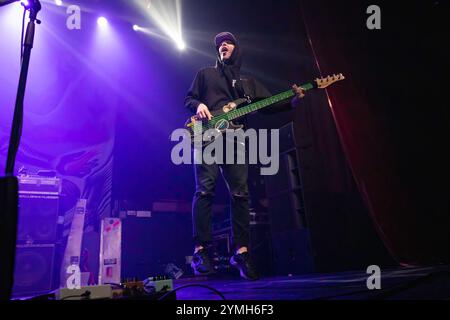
(230, 68)
(235, 61)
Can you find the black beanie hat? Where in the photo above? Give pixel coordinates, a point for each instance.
(221, 37)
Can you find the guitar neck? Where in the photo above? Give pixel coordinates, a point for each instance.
(266, 102)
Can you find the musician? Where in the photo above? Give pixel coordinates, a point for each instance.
(213, 88)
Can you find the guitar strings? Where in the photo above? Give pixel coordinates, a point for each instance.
(274, 99)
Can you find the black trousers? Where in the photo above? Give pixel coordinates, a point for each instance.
(235, 176)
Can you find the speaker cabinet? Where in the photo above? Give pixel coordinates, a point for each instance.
(33, 272)
(149, 244)
(284, 189)
(291, 245)
(38, 218)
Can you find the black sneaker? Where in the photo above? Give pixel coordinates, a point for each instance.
(201, 263)
(243, 263)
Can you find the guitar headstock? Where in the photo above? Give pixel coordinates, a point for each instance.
(322, 83)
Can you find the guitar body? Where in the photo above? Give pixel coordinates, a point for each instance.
(205, 132)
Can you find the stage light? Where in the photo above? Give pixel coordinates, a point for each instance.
(135, 27)
(25, 3)
(166, 14)
(58, 2)
(102, 22)
(181, 45)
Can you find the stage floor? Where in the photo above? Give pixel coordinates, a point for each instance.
(402, 283)
(396, 283)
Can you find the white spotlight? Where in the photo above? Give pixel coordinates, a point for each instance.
(181, 45)
(102, 22)
(166, 14)
(58, 2)
(135, 27)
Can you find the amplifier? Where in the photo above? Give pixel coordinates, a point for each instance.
(35, 184)
(38, 218)
(153, 245)
(38, 209)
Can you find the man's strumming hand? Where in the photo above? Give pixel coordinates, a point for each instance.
(203, 112)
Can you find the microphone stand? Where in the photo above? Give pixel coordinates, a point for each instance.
(9, 190)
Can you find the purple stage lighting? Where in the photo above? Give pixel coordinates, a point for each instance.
(102, 22)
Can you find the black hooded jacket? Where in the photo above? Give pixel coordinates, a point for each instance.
(216, 86)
